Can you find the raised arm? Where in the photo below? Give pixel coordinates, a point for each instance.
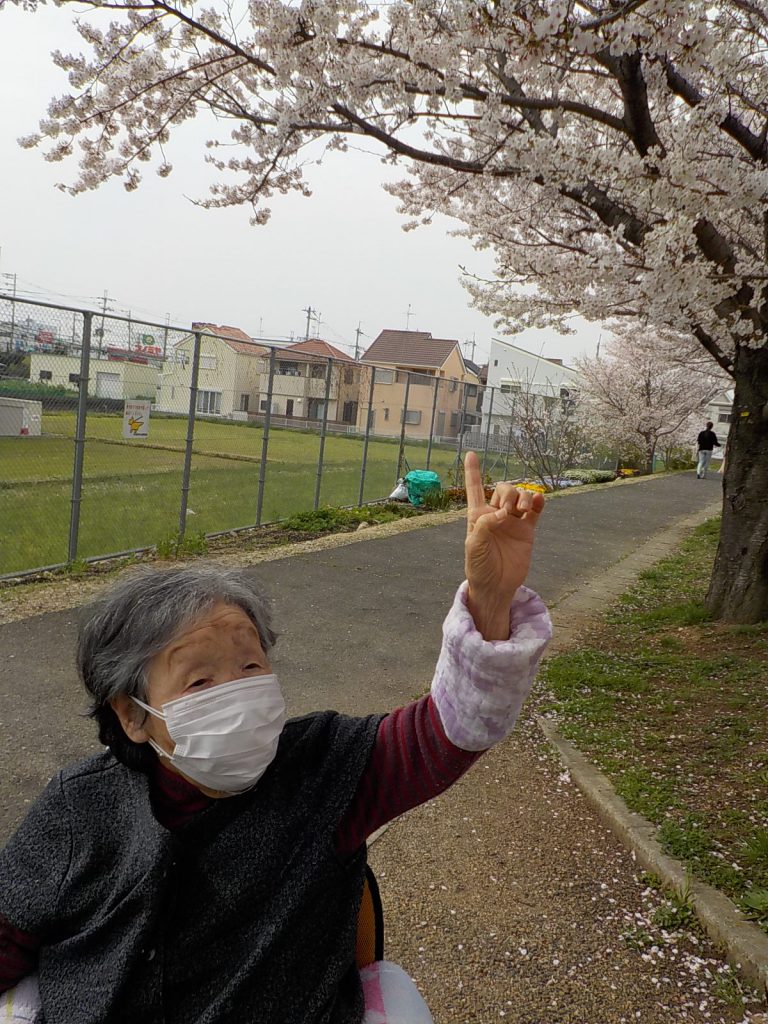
(484, 672)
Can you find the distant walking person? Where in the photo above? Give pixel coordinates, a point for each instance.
(707, 441)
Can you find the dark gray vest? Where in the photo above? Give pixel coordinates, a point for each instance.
(245, 916)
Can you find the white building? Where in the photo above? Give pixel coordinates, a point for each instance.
(720, 412)
(107, 378)
(513, 371)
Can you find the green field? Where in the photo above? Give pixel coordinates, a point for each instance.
(132, 490)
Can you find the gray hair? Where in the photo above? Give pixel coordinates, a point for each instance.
(137, 619)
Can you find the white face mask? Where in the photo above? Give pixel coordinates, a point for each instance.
(226, 737)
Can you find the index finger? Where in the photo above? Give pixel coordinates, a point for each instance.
(473, 482)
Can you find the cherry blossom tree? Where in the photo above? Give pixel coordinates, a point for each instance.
(612, 153)
(641, 399)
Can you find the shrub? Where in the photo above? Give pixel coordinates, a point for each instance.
(590, 476)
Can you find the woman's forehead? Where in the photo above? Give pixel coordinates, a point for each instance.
(222, 621)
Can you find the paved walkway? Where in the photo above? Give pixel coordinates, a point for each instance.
(505, 897)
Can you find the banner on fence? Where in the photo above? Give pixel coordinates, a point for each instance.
(136, 419)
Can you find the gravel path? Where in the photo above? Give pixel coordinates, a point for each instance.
(506, 898)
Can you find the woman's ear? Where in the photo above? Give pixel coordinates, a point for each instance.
(132, 718)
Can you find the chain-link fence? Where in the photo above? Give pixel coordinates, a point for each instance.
(117, 435)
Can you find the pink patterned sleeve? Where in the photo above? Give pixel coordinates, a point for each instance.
(479, 685)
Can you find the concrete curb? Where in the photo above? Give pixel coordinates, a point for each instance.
(745, 945)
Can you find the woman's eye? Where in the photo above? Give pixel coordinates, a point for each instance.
(253, 664)
(199, 682)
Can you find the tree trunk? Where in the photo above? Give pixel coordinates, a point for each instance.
(650, 451)
(738, 590)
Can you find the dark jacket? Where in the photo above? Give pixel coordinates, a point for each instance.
(707, 440)
(246, 914)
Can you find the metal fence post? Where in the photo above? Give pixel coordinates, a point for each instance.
(432, 421)
(82, 414)
(367, 435)
(322, 433)
(506, 456)
(265, 437)
(487, 431)
(190, 435)
(460, 445)
(401, 450)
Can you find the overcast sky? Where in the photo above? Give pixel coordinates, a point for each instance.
(343, 251)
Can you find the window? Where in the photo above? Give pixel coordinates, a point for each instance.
(386, 414)
(244, 403)
(74, 378)
(454, 419)
(471, 390)
(207, 362)
(495, 362)
(413, 416)
(288, 369)
(349, 414)
(263, 405)
(349, 375)
(724, 417)
(452, 385)
(511, 387)
(317, 371)
(46, 375)
(385, 376)
(209, 402)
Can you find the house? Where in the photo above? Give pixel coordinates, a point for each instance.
(398, 354)
(127, 377)
(720, 412)
(514, 371)
(299, 383)
(228, 379)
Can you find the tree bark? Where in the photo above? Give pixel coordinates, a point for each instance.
(738, 590)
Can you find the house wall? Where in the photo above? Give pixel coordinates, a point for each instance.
(223, 378)
(388, 399)
(305, 391)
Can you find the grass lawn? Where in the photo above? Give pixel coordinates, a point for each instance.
(132, 489)
(673, 708)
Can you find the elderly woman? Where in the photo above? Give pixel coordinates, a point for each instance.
(209, 866)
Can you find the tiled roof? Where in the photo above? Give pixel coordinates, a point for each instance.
(318, 347)
(249, 348)
(236, 339)
(410, 348)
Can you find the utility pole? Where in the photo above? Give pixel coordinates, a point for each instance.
(358, 334)
(100, 331)
(310, 314)
(471, 344)
(408, 315)
(129, 330)
(13, 309)
(165, 334)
